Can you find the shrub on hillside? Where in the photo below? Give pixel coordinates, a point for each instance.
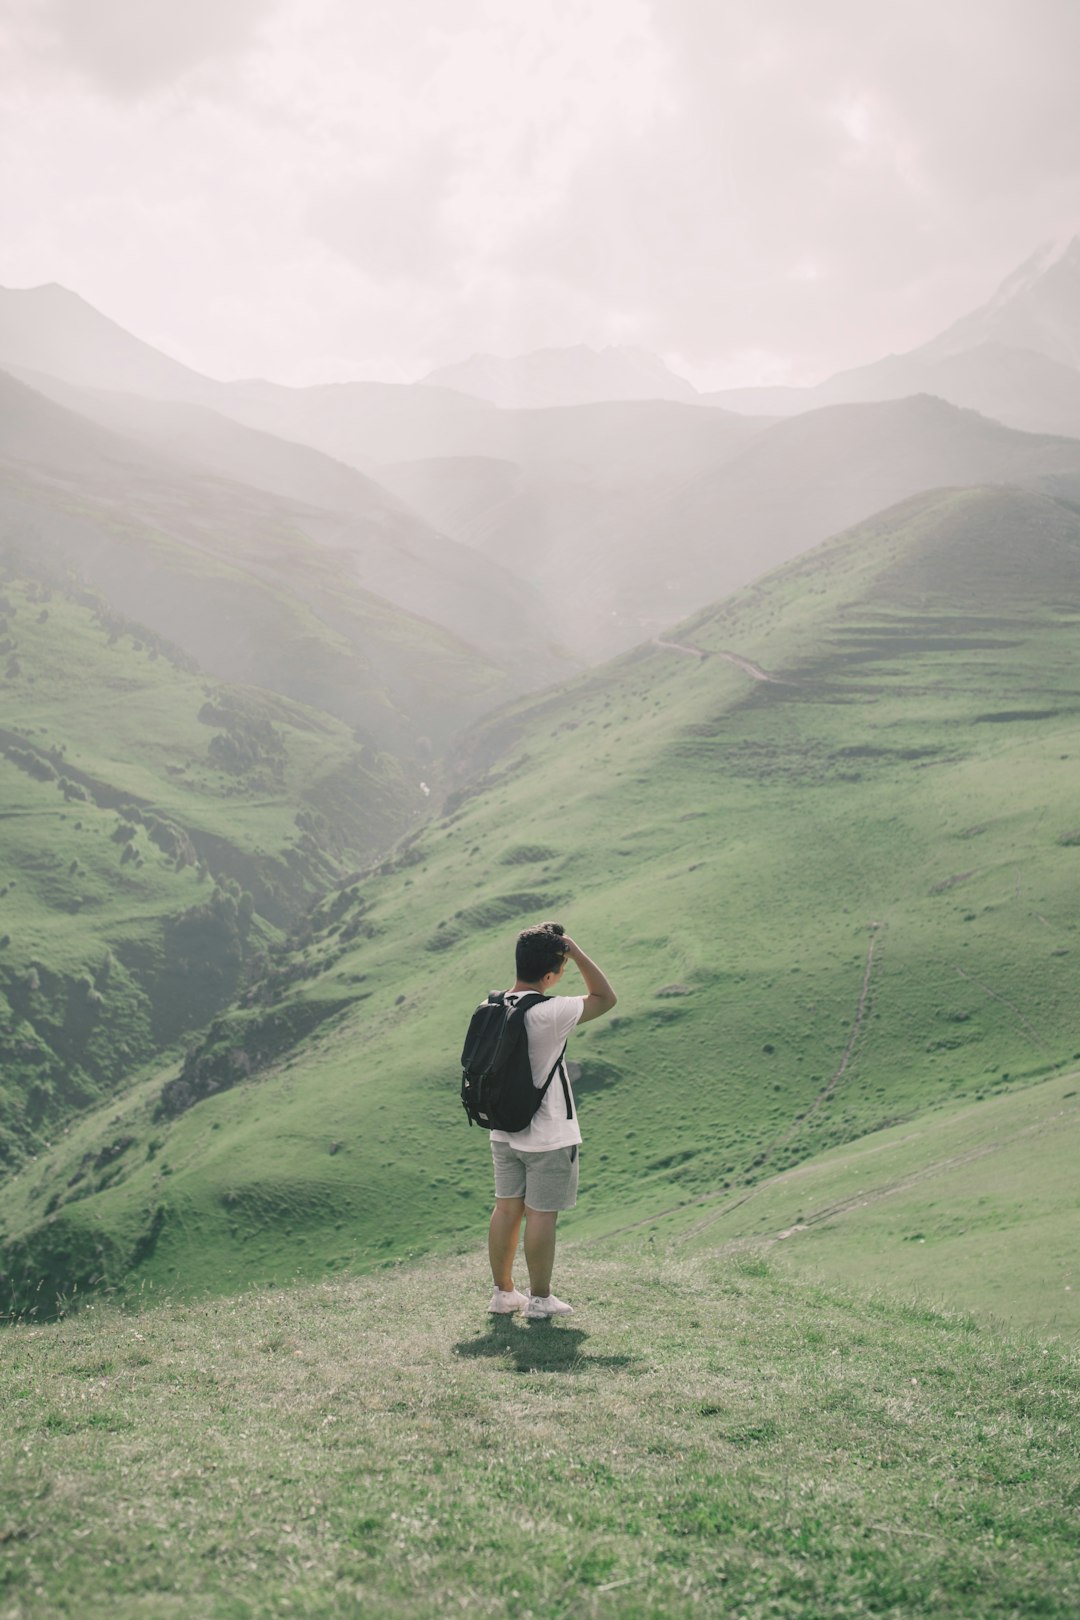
(31, 763)
(235, 1049)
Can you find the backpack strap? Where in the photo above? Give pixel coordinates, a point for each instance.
(529, 999)
(558, 1069)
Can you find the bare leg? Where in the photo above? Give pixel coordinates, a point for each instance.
(503, 1239)
(540, 1248)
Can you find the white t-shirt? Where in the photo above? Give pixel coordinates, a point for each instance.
(548, 1023)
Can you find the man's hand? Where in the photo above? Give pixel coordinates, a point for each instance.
(601, 997)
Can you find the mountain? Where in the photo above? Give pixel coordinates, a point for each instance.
(823, 837)
(1037, 307)
(1018, 387)
(1016, 358)
(385, 548)
(576, 376)
(53, 330)
(668, 550)
(263, 590)
(655, 509)
(375, 426)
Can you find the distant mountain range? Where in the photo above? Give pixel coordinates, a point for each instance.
(1035, 310)
(1016, 358)
(457, 501)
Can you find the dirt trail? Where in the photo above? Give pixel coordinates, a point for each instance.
(827, 1090)
(732, 1204)
(679, 647)
(874, 1195)
(985, 988)
(753, 670)
(748, 668)
(858, 1200)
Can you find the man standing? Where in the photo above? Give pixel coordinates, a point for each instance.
(536, 1170)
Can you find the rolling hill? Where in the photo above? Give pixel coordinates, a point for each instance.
(263, 591)
(823, 837)
(671, 549)
(377, 543)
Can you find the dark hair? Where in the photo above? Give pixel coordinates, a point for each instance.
(540, 950)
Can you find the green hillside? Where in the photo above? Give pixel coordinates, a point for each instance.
(970, 1206)
(361, 534)
(702, 1438)
(157, 832)
(681, 519)
(257, 589)
(824, 839)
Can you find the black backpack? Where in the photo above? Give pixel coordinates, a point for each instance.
(497, 1090)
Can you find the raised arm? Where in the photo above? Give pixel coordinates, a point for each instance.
(601, 997)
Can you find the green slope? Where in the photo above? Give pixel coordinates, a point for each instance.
(699, 1439)
(830, 900)
(157, 831)
(257, 589)
(970, 1206)
(373, 540)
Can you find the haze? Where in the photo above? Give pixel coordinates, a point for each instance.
(312, 191)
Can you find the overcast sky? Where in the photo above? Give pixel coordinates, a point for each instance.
(758, 190)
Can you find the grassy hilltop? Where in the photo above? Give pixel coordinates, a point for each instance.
(703, 1437)
(823, 836)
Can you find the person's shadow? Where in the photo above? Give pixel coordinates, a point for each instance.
(538, 1347)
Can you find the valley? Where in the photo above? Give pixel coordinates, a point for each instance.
(778, 716)
(830, 901)
(471, 471)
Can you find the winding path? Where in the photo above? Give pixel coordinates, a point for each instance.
(731, 1204)
(755, 672)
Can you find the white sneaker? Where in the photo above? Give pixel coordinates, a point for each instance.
(541, 1306)
(505, 1301)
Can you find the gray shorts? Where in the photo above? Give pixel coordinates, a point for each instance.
(546, 1181)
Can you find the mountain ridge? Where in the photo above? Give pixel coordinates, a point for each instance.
(1027, 334)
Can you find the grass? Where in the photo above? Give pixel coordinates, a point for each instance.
(703, 1437)
(135, 794)
(831, 902)
(971, 1204)
(230, 575)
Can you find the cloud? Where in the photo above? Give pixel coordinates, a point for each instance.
(819, 181)
(758, 189)
(390, 224)
(128, 48)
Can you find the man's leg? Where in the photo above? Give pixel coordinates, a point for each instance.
(540, 1248)
(503, 1240)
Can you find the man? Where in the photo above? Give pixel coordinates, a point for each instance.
(536, 1170)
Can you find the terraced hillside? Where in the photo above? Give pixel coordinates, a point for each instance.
(824, 838)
